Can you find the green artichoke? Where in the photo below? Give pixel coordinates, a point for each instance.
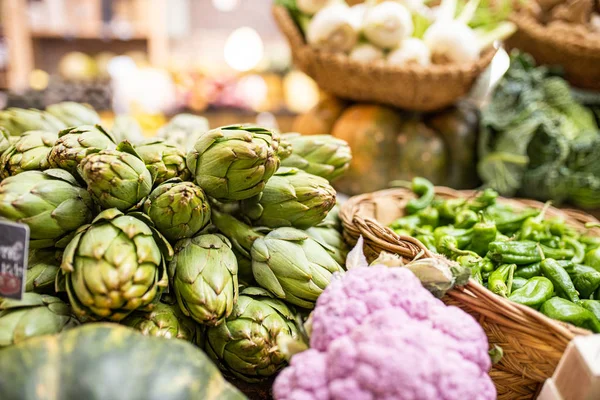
(127, 128)
(4, 140)
(74, 114)
(115, 266)
(291, 197)
(234, 162)
(29, 153)
(51, 202)
(33, 315)
(321, 155)
(165, 321)
(203, 273)
(331, 239)
(287, 261)
(178, 209)
(116, 178)
(75, 143)
(42, 267)
(19, 120)
(184, 130)
(164, 160)
(246, 344)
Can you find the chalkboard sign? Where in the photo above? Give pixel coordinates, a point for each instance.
(14, 247)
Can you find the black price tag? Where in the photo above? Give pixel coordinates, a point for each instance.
(14, 248)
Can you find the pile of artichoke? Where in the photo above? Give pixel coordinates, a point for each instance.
(223, 237)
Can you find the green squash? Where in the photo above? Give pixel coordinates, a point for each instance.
(109, 362)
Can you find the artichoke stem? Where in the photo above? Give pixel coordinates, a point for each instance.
(239, 232)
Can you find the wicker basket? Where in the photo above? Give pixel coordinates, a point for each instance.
(533, 344)
(580, 57)
(410, 87)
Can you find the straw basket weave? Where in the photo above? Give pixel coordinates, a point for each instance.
(408, 87)
(533, 344)
(579, 56)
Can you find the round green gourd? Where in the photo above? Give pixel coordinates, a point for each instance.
(108, 361)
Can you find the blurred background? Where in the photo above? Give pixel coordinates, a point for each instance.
(224, 59)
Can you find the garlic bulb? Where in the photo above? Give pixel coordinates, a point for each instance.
(410, 51)
(331, 29)
(366, 52)
(311, 7)
(452, 42)
(387, 24)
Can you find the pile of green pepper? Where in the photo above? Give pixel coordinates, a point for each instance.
(516, 253)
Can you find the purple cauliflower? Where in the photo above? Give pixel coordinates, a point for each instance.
(378, 334)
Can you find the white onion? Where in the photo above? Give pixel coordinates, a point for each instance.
(387, 24)
(311, 7)
(357, 15)
(452, 42)
(366, 52)
(410, 51)
(331, 29)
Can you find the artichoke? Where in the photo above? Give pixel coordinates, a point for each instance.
(30, 152)
(75, 143)
(127, 128)
(287, 261)
(74, 114)
(19, 120)
(51, 202)
(4, 140)
(116, 178)
(164, 160)
(291, 197)
(178, 209)
(246, 345)
(33, 315)
(115, 266)
(203, 273)
(165, 321)
(321, 155)
(234, 162)
(42, 267)
(331, 239)
(184, 130)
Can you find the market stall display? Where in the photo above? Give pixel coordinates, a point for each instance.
(407, 51)
(532, 343)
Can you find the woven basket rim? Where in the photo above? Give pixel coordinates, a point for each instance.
(473, 293)
(569, 43)
(433, 71)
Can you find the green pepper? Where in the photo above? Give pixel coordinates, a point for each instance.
(534, 292)
(409, 223)
(500, 237)
(484, 233)
(487, 265)
(425, 190)
(590, 242)
(508, 220)
(586, 279)
(450, 208)
(591, 305)
(524, 252)
(448, 245)
(500, 281)
(529, 271)
(463, 236)
(592, 259)
(567, 311)
(560, 279)
(429, 216)
(578, 249)
(466, 219)
(518, 283)
(558, 227)
(534, 228)
(428, 241)
(483, 200)
(553, 242)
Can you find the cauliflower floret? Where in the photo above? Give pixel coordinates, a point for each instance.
(378, 334)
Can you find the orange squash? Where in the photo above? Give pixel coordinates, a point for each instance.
(321, 118)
